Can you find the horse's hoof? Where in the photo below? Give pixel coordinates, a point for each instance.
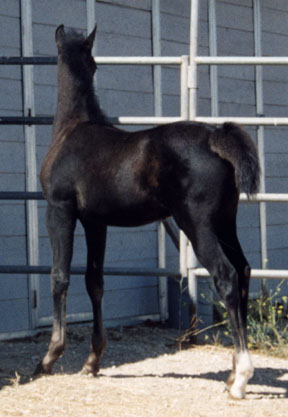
(41, 370)
(87, 370)
(236, 394)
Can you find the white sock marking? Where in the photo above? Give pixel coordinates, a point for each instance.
(244, 371)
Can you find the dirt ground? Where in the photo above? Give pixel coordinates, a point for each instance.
(143, 374)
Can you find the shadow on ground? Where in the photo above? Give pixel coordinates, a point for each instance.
(125, 345)
(18, 358)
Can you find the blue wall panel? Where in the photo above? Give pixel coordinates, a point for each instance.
(124, 28)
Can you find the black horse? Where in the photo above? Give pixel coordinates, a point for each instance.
(104, 176)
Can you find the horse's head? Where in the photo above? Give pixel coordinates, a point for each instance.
(74, 50)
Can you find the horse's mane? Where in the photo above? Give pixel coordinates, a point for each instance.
(71, 55)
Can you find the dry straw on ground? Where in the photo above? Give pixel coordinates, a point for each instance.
(143, 374)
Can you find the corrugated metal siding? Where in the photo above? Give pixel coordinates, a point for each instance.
(275, 41)
(14, 292)
(124, 28)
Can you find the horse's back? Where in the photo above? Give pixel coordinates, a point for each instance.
(115, 175)
(107, 174)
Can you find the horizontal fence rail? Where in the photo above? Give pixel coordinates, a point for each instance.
(129, 120)
(248, 121)
(21, 195)
(38, 195)
(255, 273)
(80, 270)
(19, 120)
(138, 60)
(241, 60)
(101, 60)
(28, 60)
(265, 197)
(126, 120)
(146, 272)
(161, 60)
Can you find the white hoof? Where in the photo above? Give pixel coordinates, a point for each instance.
(236, 393)
(244, 371)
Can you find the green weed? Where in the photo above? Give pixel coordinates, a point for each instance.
(267, 323)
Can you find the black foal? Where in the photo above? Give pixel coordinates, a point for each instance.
(104, 176)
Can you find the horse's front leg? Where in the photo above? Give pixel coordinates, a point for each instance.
(60, 225)
(96, 241)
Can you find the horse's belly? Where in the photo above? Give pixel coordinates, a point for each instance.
(126, 216)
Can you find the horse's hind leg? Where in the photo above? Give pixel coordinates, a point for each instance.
(60, 224)
(232, 248)
(227, 234)
(96, 241)
(203, 236)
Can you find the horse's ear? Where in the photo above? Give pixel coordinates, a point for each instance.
(60, 35)
(90, 39)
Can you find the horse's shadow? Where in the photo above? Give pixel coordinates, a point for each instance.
(266, 377)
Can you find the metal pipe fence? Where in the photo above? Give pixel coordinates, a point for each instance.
(101, 60)
(255, 273)
(122, 120)
(241, 60)
(80, 270)
(44, 120)
(154, 120)
(187, 83)
(260, 121)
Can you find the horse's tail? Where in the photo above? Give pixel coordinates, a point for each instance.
(235, 145)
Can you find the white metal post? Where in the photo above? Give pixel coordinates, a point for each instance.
(184, 94)
(212, 29)
(156, 44)
(157, 86)
(30, 156)
(260, 134)
(184, 110)
(192, 84)
(213, 52)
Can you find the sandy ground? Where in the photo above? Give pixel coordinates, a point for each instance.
(143, 374)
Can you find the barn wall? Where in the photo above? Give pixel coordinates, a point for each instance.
(124, 28)
(275, 37)
(14, 292)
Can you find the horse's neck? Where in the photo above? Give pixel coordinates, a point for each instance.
(76, 104)
(72, 103)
